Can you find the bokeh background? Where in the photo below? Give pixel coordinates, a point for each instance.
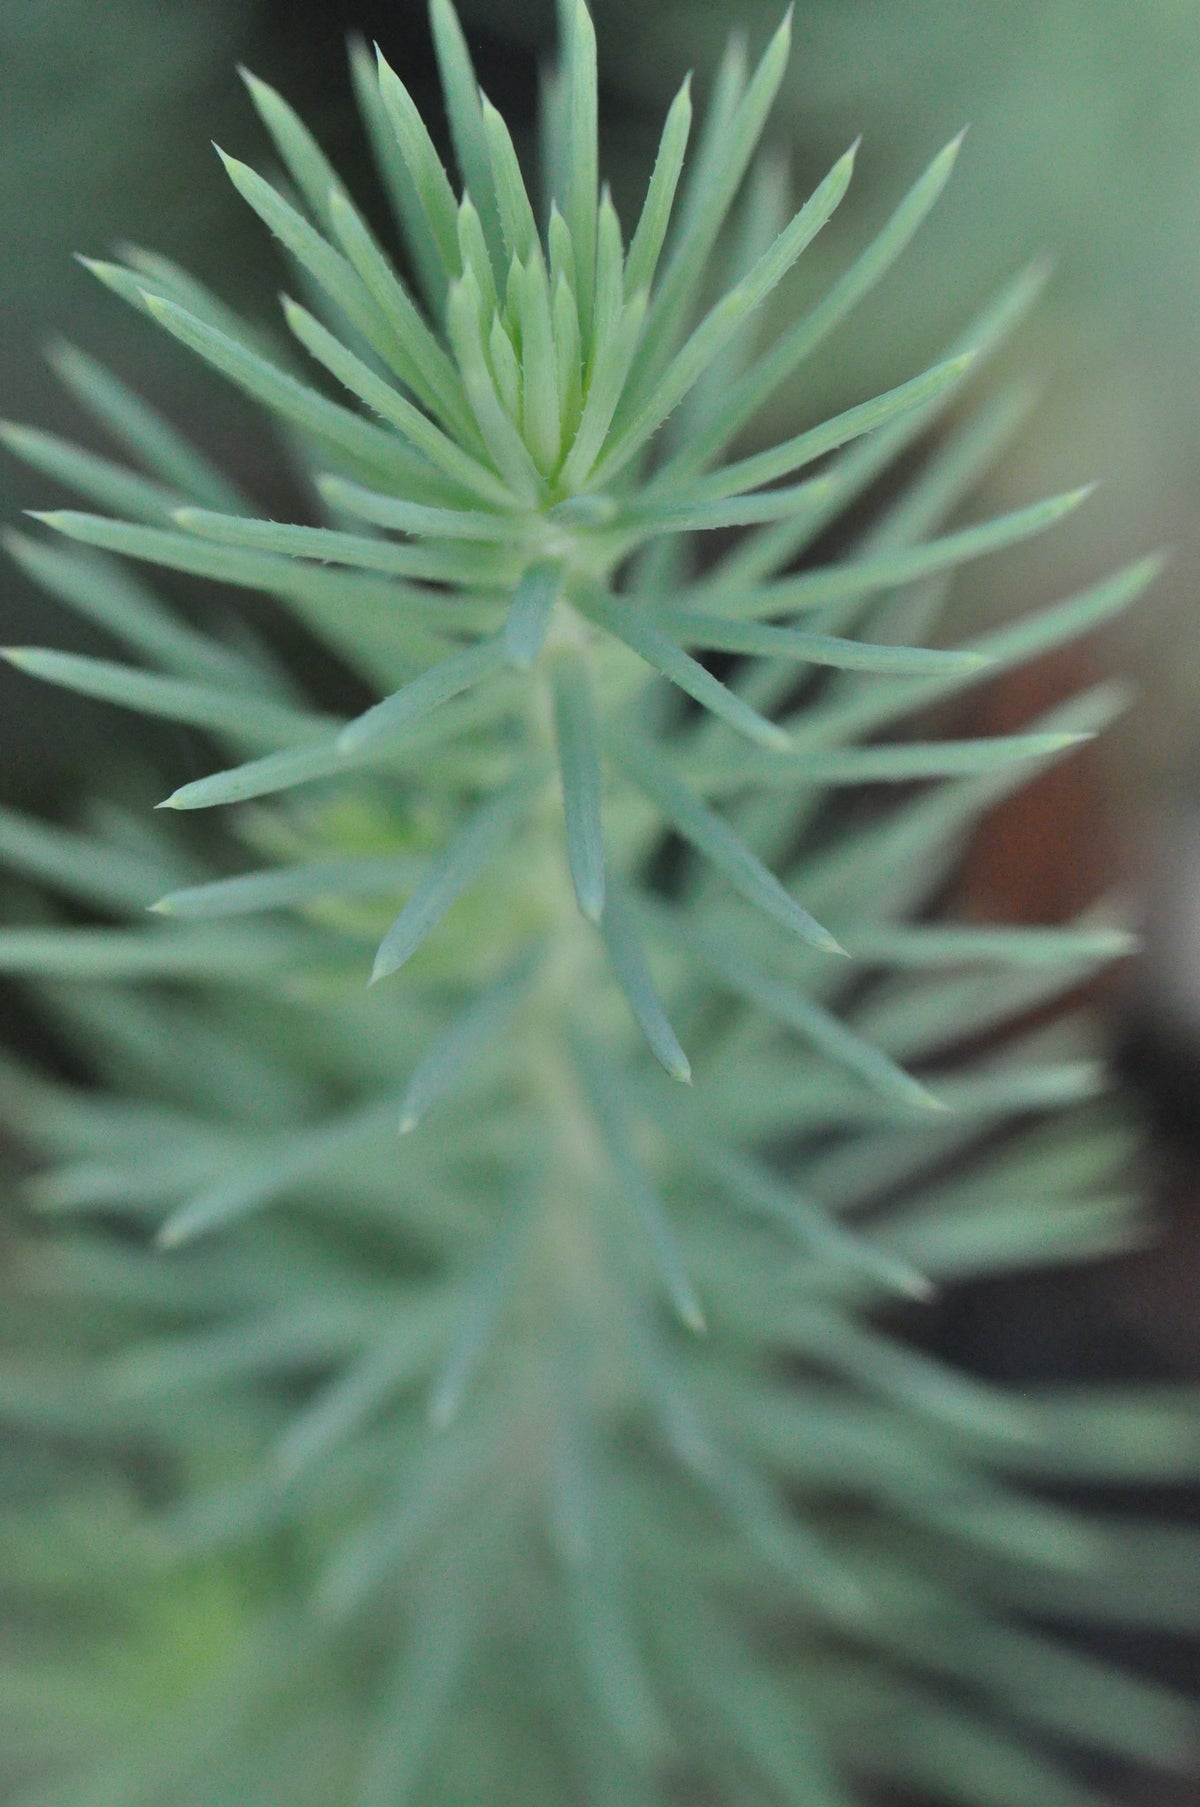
(1084, 143)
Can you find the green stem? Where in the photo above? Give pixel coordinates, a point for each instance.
(564, 1327)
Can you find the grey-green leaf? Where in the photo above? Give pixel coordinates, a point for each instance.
(239, 716)
(635, 627)
(577, 739)
(426, 693)
(629, 963)
(715, 839)
(470, 851)
(468, 1035)
(527, 623)
(604, 1093)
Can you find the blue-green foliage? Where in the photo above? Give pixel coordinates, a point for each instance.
(567, 1448)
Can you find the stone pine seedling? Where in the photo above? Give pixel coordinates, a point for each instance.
(501, 1383)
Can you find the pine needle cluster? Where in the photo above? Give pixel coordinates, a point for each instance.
(493, 1385)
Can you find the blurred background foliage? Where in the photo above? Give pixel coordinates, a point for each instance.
(105, 116)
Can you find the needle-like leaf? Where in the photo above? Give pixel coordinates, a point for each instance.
(458, 867)
(104, 593)
(650, 235)
(371, 452)
(487, 1293)
(633, 973)
(638, 631)
(302, 156)
(579, 772)
(157, 445)
(443, 453)
(464, 564)
(765, 467)
(467, 1036)
(604, 1095)
(798, 342)
(290, 887)
(735, 123)
(464, 107)
(580, 194)
(712, 837)
(857, 578)
(419, 186)
(696, 627)
(236, 715)
(642, 415)
(100, 480)
(426, 693)
(534, 601)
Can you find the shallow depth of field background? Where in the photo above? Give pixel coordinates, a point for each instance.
(1084, 142)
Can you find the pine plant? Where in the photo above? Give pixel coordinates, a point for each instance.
(503, 1384)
